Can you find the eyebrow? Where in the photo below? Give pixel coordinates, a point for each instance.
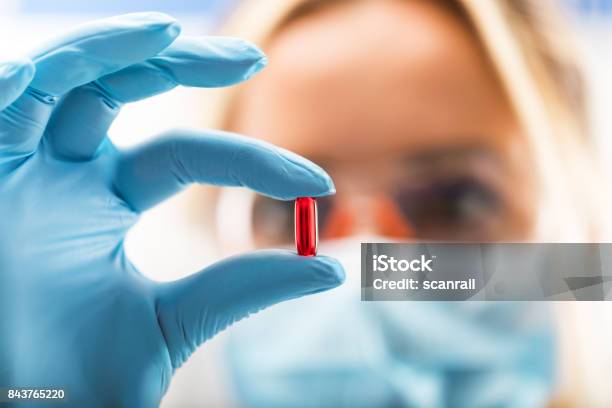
(458, 151)
(431, 155)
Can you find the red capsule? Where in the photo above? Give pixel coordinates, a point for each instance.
(306, 229)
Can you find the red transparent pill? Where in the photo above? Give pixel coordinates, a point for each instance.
(306, 229)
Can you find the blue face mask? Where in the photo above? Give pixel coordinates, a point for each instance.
(332, 350)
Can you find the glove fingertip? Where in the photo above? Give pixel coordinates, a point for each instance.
(259, 65)
(307, 178)
(322, 271)
(332, 270)
(212, 61)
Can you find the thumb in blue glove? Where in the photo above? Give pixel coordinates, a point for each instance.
(74, 312)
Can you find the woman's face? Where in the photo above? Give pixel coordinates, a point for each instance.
(398, 102)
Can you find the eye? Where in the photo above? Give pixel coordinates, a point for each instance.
(458, 208)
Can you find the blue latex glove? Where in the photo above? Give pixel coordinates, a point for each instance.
(74, 312)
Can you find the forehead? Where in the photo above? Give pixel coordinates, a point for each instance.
(366, 78)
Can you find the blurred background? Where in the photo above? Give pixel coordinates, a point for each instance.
(205, 380)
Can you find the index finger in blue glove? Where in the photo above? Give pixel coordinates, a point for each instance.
(15, 76)
(156, 170)
(205, 62)
(83, 117)
(81, 56)
(192, 310)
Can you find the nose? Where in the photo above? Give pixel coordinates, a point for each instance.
(366, 214)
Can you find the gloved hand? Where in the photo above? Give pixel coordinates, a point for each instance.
(74, 312)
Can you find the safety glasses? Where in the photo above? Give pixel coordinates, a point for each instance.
(460, 195)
